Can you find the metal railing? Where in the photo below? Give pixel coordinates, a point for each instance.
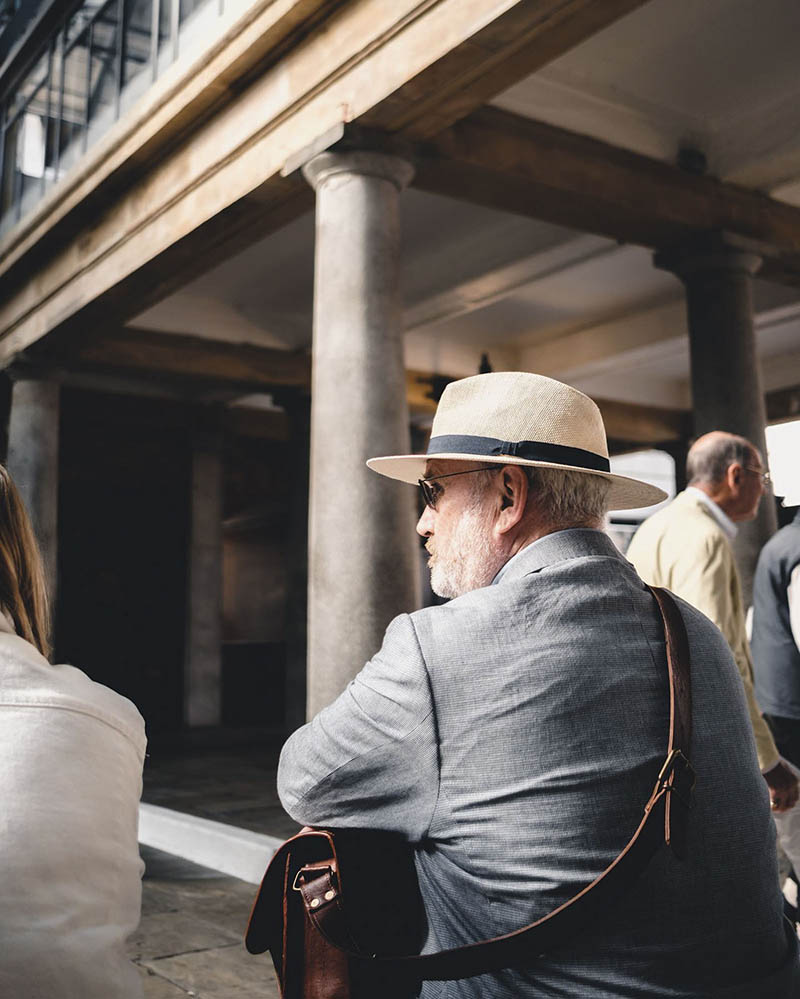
(102, 55)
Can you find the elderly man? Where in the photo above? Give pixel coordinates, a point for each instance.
(686, 547)
(513, 735)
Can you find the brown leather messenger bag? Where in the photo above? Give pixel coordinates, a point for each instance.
(340, 911)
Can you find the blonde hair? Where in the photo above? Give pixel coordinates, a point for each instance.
(23, 589)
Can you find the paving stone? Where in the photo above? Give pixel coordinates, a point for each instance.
(156, 987)
(160, 866)
(190, 939)
(165, 933)
(269, 818)
(236, 786)
(220, 973)
(159, 898)
(227, 905)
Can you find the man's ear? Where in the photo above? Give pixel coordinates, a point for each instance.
(513, 484)
(734, 476)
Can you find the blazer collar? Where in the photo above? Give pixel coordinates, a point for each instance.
(577, 542)
(696, 497)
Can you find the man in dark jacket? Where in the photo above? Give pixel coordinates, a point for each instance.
(776, 637)
(776, 658)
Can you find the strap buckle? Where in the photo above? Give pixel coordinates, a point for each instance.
(296, 886)
(678, 776)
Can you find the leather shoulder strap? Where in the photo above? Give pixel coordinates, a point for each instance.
(665, 820)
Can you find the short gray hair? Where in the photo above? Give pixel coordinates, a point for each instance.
(569, 499)
(563, 499)
(711, 455)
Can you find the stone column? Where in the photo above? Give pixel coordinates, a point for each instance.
(33, 461)
(717, 271)
(362, 555)
(298, 412)
(203, 672)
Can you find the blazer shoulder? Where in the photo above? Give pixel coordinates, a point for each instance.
(455, 620)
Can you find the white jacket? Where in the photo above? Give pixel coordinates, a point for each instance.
(71, 755)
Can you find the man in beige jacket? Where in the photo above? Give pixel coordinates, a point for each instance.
(686, 547)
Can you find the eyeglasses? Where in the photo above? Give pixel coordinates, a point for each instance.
(431, 494)
(766, 478)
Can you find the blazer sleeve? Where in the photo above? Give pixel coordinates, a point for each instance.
(707, 580)
(370, 760)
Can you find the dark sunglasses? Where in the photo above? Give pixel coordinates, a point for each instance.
(431, 496)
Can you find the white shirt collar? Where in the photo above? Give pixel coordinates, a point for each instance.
(724, 521)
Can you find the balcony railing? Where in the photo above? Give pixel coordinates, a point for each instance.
(102, 56)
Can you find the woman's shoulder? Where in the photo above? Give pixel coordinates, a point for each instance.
(27, 678)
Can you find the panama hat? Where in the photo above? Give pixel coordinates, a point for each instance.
(518, 418)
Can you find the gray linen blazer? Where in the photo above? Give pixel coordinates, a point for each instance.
(513, 736)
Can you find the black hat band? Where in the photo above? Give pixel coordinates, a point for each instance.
(559, 454)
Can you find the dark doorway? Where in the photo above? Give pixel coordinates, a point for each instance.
(125, 478)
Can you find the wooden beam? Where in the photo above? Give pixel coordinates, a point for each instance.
(516, 43)
(624, 421)
(783, 405)
(247, 368)
(503, 161)
(240, 421)
(167, 355)
(644, 424)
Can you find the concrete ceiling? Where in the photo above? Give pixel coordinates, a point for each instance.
(720, 75)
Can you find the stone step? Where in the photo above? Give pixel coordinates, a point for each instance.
(240, 853)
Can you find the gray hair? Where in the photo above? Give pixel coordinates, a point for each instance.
(569, 499)
(563, 499)
(711, 455)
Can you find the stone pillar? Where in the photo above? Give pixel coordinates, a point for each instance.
(362, 553)
(726, 378)
(203, 672)
(33, 462)
(298, 412)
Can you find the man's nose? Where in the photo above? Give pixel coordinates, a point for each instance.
(425, 523)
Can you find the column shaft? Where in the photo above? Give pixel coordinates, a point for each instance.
(362, 556)
(725, 373)
(298, 411)
(203, 673)
(33, 441)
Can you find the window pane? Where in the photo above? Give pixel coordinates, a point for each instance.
(31, 154)
(51, 137)
(165, 25)
(81, 18)
(29, 85)
(24, 155)
(74, 110)
(188, 7)
(103, 72)
(9, 194)
(137, 37)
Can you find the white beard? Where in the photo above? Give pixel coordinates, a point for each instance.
(469, 562)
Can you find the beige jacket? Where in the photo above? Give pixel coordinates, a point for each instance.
(683, 548)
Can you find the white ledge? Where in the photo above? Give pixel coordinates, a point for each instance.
(240, 853)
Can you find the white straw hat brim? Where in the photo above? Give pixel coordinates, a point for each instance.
(625, 493)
